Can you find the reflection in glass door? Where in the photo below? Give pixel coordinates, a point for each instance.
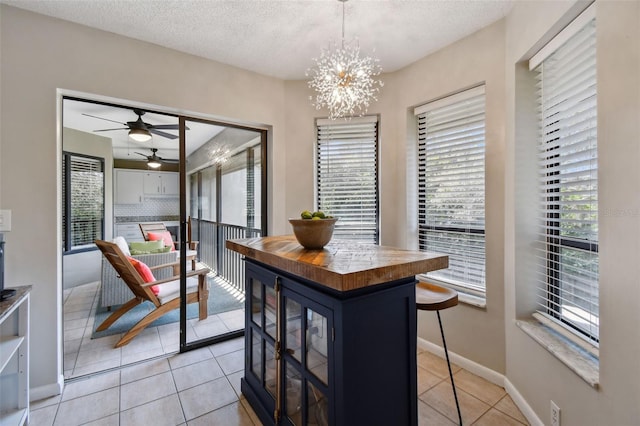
(223, 199)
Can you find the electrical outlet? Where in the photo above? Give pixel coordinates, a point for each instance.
(555, 414)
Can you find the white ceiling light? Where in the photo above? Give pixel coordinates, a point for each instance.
(153, 160)
(139, 135)
(344, 81)
(154, 163)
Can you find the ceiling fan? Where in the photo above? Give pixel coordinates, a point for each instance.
(140, 131)
(154, 161)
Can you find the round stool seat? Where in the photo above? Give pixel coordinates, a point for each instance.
(431, 297)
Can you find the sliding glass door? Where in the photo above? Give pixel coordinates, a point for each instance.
(222, 198)
(201, 181)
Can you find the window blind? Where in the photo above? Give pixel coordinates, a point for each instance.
(567, 282)
(347, 176)
(451, 186)
(83, 208)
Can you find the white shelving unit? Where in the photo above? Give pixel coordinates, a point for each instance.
(14, 358)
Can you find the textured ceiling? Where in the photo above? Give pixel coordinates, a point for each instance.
(280, 38)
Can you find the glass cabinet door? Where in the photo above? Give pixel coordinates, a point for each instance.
(308, 342)
(294, 383)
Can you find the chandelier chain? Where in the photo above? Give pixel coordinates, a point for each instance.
(343, 2)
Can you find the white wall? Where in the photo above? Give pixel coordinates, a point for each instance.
(537, 375)
(41, 55)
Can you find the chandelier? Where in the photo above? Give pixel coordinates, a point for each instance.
(218, 156)
(343, 80)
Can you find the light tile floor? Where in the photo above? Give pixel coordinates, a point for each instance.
(202, 387)
(83, 355)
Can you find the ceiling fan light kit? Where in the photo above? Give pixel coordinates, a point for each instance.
(154, 164)
(140, 131)
(343, 80)
(154, 161)
(140, 135)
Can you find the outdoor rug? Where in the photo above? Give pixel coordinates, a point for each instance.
(221, 299)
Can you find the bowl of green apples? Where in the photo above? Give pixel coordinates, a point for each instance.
(314, 229)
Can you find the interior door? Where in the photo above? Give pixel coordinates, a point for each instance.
(222, 179)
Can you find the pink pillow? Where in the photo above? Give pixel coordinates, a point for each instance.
(164, 236)
(145, 273)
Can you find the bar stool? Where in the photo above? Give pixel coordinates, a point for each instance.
(430, 297)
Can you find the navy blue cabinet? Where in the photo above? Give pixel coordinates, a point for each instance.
(318, 356)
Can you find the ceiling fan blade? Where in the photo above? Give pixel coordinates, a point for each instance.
(163, 126)
(164, 134)
(164, 160)
(106, 119)
(144, 155)
(108, 130)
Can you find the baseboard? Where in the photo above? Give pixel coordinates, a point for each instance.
(522, 404)
(487, 374)
(471, 366)
(47, 391)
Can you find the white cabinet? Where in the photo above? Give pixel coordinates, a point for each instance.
(132, 186)
(161, 184)
(128, 186)
(14, 358)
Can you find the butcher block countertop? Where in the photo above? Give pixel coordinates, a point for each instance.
(341, 265)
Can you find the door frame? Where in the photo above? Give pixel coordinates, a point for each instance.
(265, 131)
(182, 119)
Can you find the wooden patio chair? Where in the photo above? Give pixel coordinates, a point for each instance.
(168, 297)
(158, 227)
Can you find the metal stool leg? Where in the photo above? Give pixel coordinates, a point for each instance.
(446, 353)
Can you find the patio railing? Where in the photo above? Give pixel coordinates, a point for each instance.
(212, 251)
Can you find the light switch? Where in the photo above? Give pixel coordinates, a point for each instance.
(5, 220)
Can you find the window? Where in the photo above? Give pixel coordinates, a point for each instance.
(568, 174)
(347, 176)
(451, 211)
(83, 201)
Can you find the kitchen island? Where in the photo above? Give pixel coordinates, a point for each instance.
(330, 335)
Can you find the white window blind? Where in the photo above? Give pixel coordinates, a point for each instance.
(568, 167)
(347, 176)
(451, 186)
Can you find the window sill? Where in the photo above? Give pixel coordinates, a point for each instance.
(80, 250)
(579, 360)
(469, 299)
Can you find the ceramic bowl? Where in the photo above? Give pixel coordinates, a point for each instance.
(313, 234)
